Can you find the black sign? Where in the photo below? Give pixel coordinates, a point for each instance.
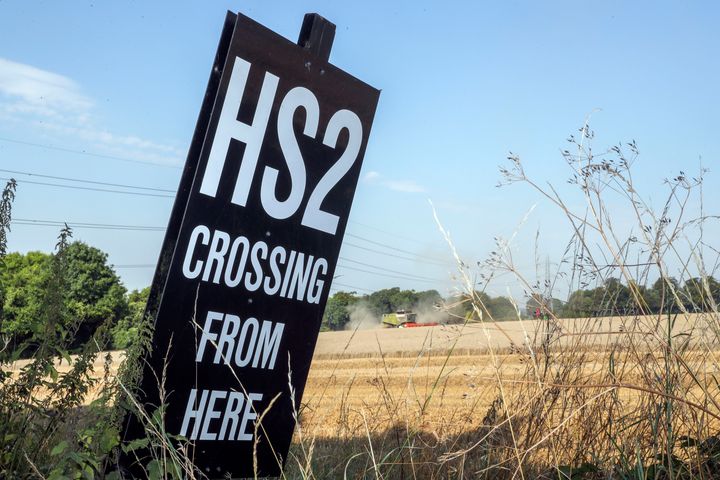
(263, 204)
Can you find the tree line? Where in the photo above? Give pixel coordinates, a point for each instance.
(455, 309)
(665, 295)
(94, 294)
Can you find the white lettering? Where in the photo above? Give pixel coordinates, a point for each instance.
(259, 250)
(197, 231)
(194, 413)
(230, 328)
(300, 277)
(268, 343)
(277, 252)
(218, 249)
(240, 360)
(241, 342)
(230, 128)
(211, 414)
(295, 98)
(314, 217)
(248, 414)
(206, 335)
(314, 294)
(237, 261)
(232, 414)
(233, 426)
(231, 281)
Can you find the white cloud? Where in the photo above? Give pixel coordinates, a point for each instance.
(399, 185)
(371, 176)
(45, 90)
(56, 103)
(407, 186)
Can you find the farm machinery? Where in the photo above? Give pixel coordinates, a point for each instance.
(404, 319)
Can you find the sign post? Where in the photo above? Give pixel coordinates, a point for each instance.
(252, 245)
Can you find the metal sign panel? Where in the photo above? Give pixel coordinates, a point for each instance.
(240, 305)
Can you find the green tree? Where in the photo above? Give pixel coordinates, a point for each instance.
(23, 283)
(461, 306)
(92, 292)
(126, 330)
(95, 293)
(501, 308)
(428, 300)
(615, 298)
(700, 294)
(580, 304)
(337, 313)
(545, 305)
(403, 299)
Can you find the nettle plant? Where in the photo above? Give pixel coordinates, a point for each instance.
(46, 427)
(62, 395)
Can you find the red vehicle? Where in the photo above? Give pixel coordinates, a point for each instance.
(415, 324)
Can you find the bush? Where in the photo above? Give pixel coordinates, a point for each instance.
(126, 330)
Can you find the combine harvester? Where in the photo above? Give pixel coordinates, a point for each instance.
(404, 319)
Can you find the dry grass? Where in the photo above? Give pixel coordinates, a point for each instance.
(442, 402)
(469, 413)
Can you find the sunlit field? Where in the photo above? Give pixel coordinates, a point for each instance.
(492, 400)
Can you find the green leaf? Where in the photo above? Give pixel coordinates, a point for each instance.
(135, 445)
(58, 475)
(59, 448)
(108, 440)
(77, 458)
(154, 470)
(66, 356)
(565, 472)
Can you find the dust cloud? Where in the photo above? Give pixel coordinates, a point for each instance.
(431, 315)
(361, 318)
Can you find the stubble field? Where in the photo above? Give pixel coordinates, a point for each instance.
(430, 402)
(468, 401)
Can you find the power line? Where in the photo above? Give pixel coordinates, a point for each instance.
(152, 265)
(380, 274)
(332, 286)
(389, 246)
(77, 187)
(87, 181)
(148, 228)
(387, 254)
(83, 152)
(98, 226)
(101, 226)
(434, 260)
(386, 232)
(345, 259)
(350, 286)
(94, 182)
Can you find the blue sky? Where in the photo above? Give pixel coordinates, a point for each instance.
(462, 84)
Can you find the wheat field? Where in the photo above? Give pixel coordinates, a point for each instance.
(492, 400)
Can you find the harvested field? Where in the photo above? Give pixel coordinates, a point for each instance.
(354, 368)
(476, 337)
(409, 360)
(430, 401)
(423, 400)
